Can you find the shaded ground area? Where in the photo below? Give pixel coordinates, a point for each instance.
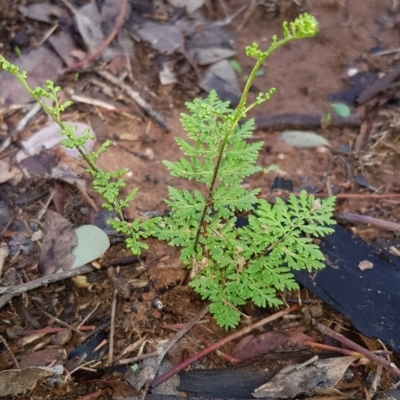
(134, 303)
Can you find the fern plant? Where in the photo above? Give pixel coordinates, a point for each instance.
(230, 265)
(108, 184)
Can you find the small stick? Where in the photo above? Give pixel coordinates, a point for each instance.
(45, 206)
(112, 327)
(59, 321)
(138, 358)
(220, 343)
(10, 351)
(51, 330)
(362, 138)
(20, 127)
(361, 380)
(251, 7)
(27, 117)
(112, 273)
(4, 252)
(367, 196)
(88, 316)
(392, 367)
(229, 358)
(374, 385)
(303, 121)
(135, 96)
(385, 52)
(46, 280)
(229, 18)
(363, 219)
(322, 346)
(163, 350)
(11, 291)
(81, 98)
(95, 331)
(356, 195)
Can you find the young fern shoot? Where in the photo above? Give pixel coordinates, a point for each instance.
(107, 184)
(231, 265)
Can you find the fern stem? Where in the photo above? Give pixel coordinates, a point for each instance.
(54, 115)
(239, 113)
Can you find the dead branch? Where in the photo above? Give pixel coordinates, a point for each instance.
(59, 321)
(392, 367)
(4, 251)
(281, 122)
(163, 350)
(364, 219)
(112, 327)
(12, 291)
(135, 96)
(10, 351)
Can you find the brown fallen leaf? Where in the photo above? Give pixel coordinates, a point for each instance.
(316, 377)
(253, 346)
(88, 21)
(42, 358)
(43, 12)
(59, 238)
(64, 45)
(14, 382)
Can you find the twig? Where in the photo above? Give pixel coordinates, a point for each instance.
(357, 195)
(138, 358)
(374, 385)
(385, 52)
(59, 321)
(367, 196)
(112, 328)
(20, 127)
(26, 118)
(47, 34)
(10, 351)
(88, 316)
(51, 330)
(81, 98)
(112, 274)
(363, 219)
(232, 360)
(323, 346)
(135, 96)
(4, 252)
(163, 350)
(303, 121)
(45, 205)
(110, 38)
(220, 343)
(224, 7)
(229, 18)
(252, 5)
(11, 291)
(360, 379)
(362, 138)
(92, 363)
(392, 367)
(95, 330)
